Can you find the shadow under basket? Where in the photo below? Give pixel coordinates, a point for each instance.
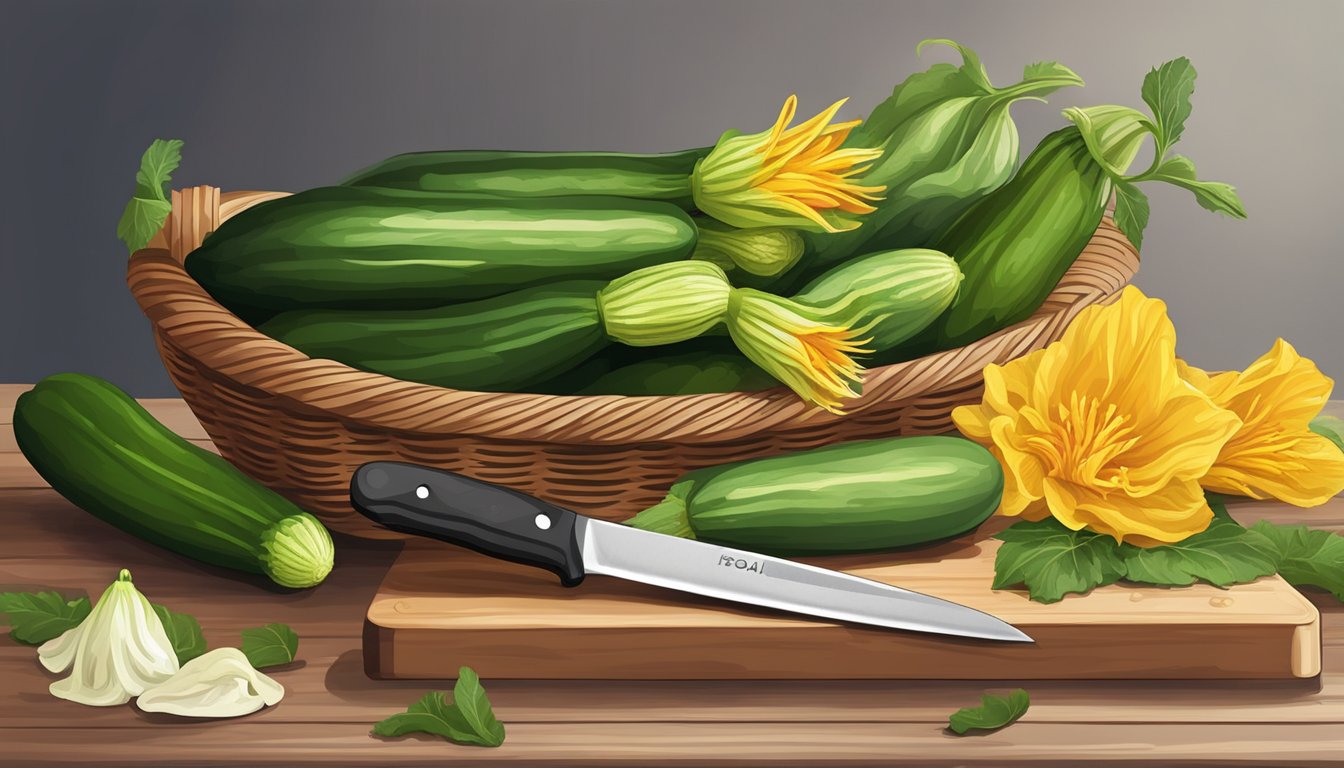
(302, 426)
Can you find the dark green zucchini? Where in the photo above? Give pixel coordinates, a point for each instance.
(665, 177)
(500, 344)
(852, 497)
(101, 450)
(366, 248)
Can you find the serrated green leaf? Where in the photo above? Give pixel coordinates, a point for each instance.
(141, 220)
(36, 617)
(270, 646)
(470, 699)
(1330, 428)
(1053, 561)
(149, 207)
(1167, 90)
(1044, 69)
(156, 168)
(1211, 195)
(994, 712)
(1306, 557)
(183, 631)
(468, 719)
(1131, 212)
(1222, 554)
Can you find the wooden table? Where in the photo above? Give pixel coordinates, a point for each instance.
(45, 543)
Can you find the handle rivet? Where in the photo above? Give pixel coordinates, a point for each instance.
(543, 522)
(422, 492)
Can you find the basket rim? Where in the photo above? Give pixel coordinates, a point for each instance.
(214, 339)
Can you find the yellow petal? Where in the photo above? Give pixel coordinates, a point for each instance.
(1307, 471)
(1177, 511)
(1274, 454)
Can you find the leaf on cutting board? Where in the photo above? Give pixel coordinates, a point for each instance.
(1131, 212)
(36, 617)
(1306, 557)
(149, 207)
(1222, 554)
(1329, 427)
(183, 631)
(270, 646)
(1053, 561)
(993, 713)
(1167, 90)
(467, 719)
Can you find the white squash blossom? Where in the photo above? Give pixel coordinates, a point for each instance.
(118, 651)
(221, 683)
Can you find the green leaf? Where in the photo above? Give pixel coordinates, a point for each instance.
(1223, 554)
(1167, 90)
(270, 646)
(141, 220)
(994, 712)
(1053, 561)
(36, 617)
(149, 207)
(1131, 211)
(183, 631)
(1211, 195)
(468, 719)
(1306, 557)
(156, 169)
(1049, 69)
(1330, 428)
(470, 699)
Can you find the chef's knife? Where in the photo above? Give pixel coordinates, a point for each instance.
(510, 525)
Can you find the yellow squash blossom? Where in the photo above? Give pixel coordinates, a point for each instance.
(796, 345)
(796, 177)
(1274, 454)
(1099, 429)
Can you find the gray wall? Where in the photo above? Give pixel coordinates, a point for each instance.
(290, 95)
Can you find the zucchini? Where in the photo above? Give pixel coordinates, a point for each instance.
(498, 344)
(101, 450)
(851, 497)
(366, 248)
(665, 177)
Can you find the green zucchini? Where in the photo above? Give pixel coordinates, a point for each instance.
(665, 177)
(851, 497)
(366, 248)
(101, 450)
(503, 343)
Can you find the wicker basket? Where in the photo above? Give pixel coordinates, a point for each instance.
(302, 426)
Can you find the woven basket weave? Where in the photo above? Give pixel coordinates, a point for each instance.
(302, 426)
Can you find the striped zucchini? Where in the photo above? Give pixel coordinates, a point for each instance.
(366, 248)
(101, 450)
(852, 497)
(500, 344)
(665, 177)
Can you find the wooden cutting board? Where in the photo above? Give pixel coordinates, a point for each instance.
(441, 608)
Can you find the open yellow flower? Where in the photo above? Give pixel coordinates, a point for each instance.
(798, 177)
(796, 345)
(1274, 454)
(1099, 429)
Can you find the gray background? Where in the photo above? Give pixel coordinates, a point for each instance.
(290, 95)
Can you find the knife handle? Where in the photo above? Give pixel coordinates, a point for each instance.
(494, 521)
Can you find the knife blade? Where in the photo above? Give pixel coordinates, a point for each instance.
(510, 525)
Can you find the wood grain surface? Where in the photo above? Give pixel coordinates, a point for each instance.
(330, 703)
